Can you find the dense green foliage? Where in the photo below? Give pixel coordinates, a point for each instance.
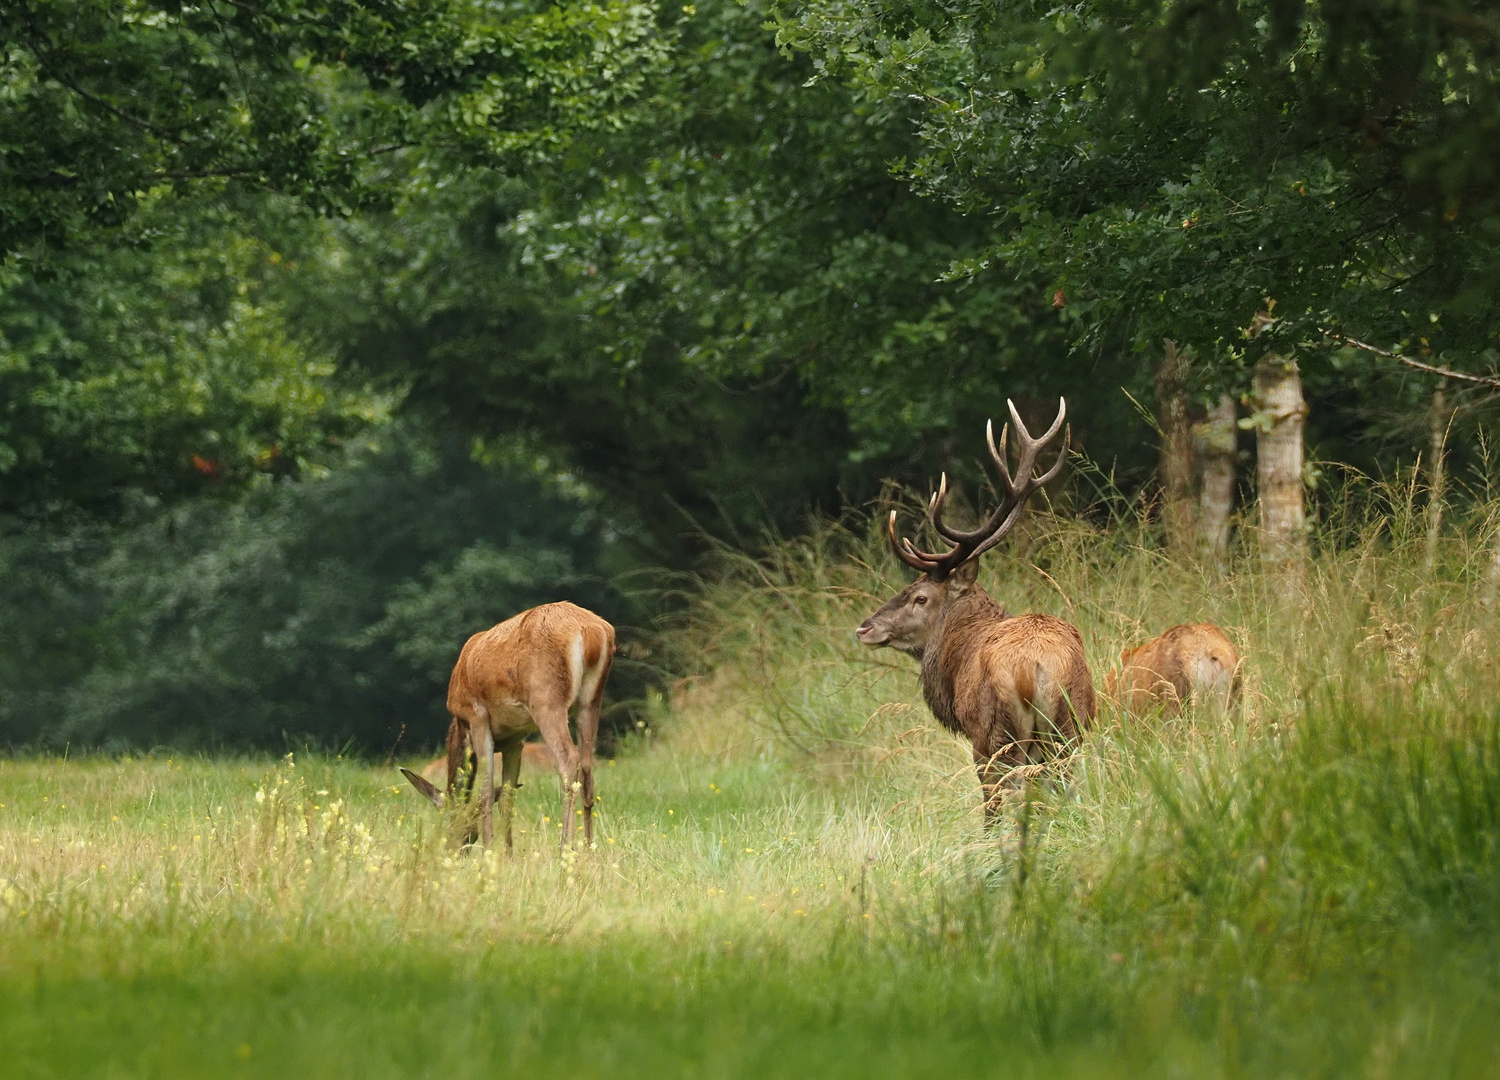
(170, 370)
(668, 277)
(1170, 167)
(136, 137)
(108, 102)
(329, 609)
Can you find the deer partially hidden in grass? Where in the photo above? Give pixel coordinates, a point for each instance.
(1017, 686)
(1194, 662)
(518, 677)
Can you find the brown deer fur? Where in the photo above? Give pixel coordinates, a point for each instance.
(1018, 688)
(522, 676)
(1191, 662)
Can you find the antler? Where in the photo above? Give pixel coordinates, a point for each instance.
(1018, 488)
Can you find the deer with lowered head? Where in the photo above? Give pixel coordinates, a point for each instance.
(1018, 686)
(518, 677)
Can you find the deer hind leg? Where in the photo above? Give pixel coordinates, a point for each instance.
(991, 772)
(482, 742)
(588, 734)
(510, 776)
(552, 720)
(1049, 724)
(996, 766)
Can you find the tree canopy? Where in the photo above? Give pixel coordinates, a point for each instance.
(1172, 167)
(109, 101)
(642, 278)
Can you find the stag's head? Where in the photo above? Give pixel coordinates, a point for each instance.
(907, 620)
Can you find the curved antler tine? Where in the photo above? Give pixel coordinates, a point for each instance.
(1000, 530)
(904, 551)
(1062, 414)
(1022, 435)
(1019, 485)
(935, 514)
(1026, 452)
(1025, 437)
(937, 558)
(1030, 447)
(1000, 455)
(929, 559)
(1062, 453)
(935, 503)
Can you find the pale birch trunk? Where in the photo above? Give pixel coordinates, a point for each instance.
(1490, 593)
(1217, 440)
(1176, 449)
(1281, 413)
(1437, 436)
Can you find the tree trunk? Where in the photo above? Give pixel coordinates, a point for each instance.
(1280, 413)
(1176, 449)
(1490, 593)
(1437, 435)
(1217, 439)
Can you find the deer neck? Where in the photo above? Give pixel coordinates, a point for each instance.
(951, 640)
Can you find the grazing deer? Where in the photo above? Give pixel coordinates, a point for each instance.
(1018, 687)
(1192, 662)
(518, 677)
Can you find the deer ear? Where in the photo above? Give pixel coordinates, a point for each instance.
(962, 579)
(421, 784)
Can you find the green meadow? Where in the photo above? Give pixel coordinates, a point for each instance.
(791, 876)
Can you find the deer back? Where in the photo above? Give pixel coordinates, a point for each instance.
(543, 656)
(1186, 661)
(986, 674)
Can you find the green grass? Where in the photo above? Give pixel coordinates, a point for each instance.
(792, 878)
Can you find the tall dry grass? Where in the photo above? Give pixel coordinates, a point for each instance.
(1378, 669)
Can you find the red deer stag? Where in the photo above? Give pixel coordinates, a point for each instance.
(1193, 662)
(1018, 687)
(518, 677)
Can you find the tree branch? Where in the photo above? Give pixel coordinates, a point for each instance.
(1448, 373)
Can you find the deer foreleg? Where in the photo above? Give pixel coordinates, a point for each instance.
(482, 742)
(458, 746)
(510, 776)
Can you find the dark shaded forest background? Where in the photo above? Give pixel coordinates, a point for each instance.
(332, 332)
